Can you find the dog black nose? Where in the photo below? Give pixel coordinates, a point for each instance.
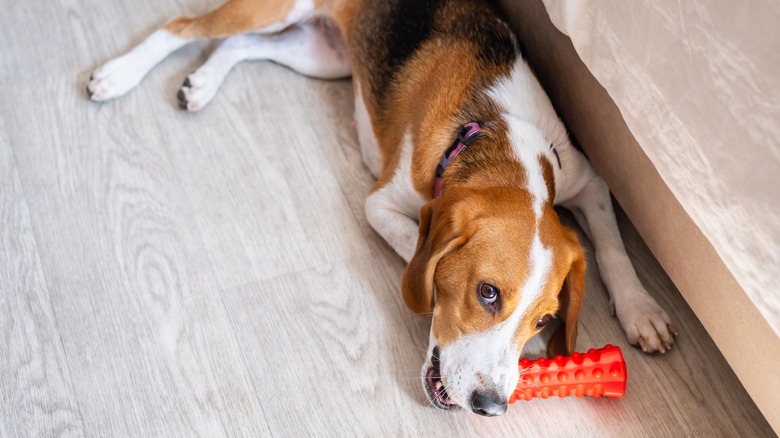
(488, 404)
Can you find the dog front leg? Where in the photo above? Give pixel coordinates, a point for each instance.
(642, 319)
(398, 229)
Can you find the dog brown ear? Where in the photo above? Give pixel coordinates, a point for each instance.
(437, 237)
(570, 298)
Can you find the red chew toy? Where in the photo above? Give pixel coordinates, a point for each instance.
(598, 372)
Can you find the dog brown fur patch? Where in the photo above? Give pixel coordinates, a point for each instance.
(233, 18)
(431, 87)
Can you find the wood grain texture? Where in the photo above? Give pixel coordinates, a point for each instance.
(270, 195)
(213, 274)
(36, 390)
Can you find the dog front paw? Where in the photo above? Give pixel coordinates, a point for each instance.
(645, 322)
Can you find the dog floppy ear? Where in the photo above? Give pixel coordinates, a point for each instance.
(570, 298)
(438, 236)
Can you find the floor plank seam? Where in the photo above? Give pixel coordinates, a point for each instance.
(314, 267)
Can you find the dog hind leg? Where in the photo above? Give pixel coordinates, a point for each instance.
(313, 48)
(122, 74)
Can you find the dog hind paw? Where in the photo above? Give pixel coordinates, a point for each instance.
(113, 80)
(196, 91)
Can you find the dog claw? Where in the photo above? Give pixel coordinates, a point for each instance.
(182, 99)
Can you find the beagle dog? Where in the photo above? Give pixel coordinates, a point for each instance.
(470, 159)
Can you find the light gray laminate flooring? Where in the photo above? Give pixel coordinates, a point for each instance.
(208, 274)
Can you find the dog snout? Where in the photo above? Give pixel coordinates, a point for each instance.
(488, 404)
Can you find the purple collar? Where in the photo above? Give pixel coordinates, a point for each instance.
(467, 135)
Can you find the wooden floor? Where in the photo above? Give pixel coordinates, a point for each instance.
(209, 274)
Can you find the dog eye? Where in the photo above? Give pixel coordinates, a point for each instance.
(488, 293)
(541, 322)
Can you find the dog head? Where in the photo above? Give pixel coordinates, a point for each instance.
(493, 272)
